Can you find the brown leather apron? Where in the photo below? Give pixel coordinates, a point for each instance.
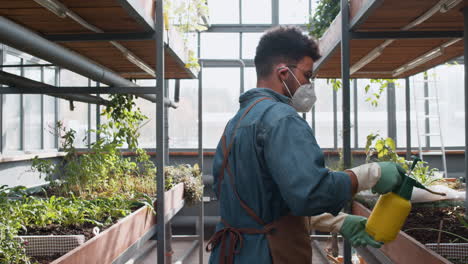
(288, 237)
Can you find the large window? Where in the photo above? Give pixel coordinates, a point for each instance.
(221, 90)
(220, 45)
(256, 12)
(249, 44)
(32, 105)
(371, 119)
(11, 134)
(224, 11)
(293, 11)
(74, 115)
(324, 114)
(183, 121)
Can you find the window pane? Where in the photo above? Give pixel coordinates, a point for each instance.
(11, 122)
(220, 45)
(249, 44)
(371, 119)
(220, 101)
(293, 11)
(49, 122)
(401, 116)
(76, 119)
(448, 83)
(32, 113)
(339, 102)
(32, 121)
(49, 111)
(256, 12)
(183, 121)
(147, 130)
(250, 78)
(224, 11)
(324, 114)
(11, 111)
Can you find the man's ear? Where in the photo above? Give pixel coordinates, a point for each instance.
(282, 69)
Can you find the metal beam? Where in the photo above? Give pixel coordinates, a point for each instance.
(364, 13)
(29, 42)
(210, 63)
(84, 37)
(160, 109)
(244, 28)
(201, 212)
(391, 112)
(20, 84)
(407, 35)
(28, 89)
(345, 76)
(465, 53)
(408, 118)
(132, 8)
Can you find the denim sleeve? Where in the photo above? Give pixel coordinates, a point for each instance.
(296, 164)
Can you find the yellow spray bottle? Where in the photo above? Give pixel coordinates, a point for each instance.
(392, 209)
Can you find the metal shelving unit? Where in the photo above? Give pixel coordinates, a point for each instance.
(42, 46)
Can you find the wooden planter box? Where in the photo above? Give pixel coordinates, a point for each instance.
(404, 249)
(110, 244)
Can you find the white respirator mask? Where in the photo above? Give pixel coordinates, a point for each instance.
(304, 98)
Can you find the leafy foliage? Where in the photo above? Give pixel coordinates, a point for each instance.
(375, 94)
(192, 179)
(19, 215)
(384, 149)
(325, 13)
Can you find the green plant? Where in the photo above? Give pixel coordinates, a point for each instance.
(192, 179)
(384, 149)
(325, 13)
(376, 93)
(11, 250)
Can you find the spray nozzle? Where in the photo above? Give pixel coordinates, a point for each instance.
(414, 182)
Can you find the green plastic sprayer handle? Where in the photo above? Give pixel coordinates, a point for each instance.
(415, 161)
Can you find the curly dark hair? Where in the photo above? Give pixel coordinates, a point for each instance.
(283, 44)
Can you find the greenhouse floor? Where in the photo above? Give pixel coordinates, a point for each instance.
(180, 248)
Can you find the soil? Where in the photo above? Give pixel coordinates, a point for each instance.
(430, 217)
(45, 260)
(86, 230)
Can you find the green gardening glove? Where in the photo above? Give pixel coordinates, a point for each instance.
(391, 176)
(354, 230)
(382, 177)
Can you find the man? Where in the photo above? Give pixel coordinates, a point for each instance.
(269, 170)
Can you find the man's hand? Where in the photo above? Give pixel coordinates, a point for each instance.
(354, 230)
(382, 177)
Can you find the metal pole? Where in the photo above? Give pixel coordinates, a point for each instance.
(1, 103)
(17, 36)
(42, 111)
(355, 103)
(408, 118)
(201, 213)
(274, 12)
(168, 249)
(427, 123)
(391, 111)
(465, 19)
(160, 161)
(56, 110)
(22, 130)
(345, 75)
(335, 120)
